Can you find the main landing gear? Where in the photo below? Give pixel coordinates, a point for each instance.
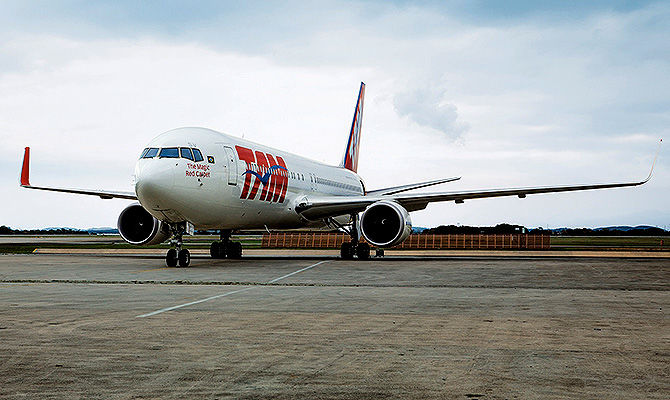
(355, 247)
(177, 255)
(359, 249)
(225, 248)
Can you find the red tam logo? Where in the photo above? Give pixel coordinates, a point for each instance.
(265, 170)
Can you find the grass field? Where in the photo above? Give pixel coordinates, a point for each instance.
(115, 242)
(613, 242)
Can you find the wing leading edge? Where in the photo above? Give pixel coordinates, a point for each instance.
(103, 194)
(324, 207)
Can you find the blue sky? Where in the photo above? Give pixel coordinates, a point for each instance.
(501, 93)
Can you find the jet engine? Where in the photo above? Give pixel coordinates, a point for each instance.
(385, 224)
(137, 226)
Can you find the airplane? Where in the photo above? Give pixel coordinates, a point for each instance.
(197, 178)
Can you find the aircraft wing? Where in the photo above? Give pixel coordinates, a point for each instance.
(412, 186)
(103, 194)
(331, 206)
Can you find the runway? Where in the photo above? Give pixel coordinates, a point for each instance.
(125, 326)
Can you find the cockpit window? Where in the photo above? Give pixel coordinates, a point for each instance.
(150, 152)
(169, 152)
(197, 155)
(144, 152)
(186, 153)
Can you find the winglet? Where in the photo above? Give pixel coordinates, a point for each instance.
(660, 142)
(25, 171)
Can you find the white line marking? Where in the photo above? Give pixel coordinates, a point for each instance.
(298, 271)
(193, 302)
(162, 310)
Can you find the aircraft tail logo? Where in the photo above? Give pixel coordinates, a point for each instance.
(350, 159)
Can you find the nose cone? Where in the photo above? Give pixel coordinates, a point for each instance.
(154, 184)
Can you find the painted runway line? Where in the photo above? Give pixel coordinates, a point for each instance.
(193, 302)
(298, 271)
(162, 310)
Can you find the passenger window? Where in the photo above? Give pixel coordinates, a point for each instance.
(150, 153)
(186, 153)
(197, 155)
(169, 152)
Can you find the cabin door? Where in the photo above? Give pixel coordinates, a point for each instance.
(232, 165)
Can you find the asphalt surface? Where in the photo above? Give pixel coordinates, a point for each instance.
(466, 328)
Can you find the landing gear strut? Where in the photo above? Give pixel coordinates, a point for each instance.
(177, 255)
(225, 248)
(355, 247)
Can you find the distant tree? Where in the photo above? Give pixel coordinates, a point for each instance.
(500, 229)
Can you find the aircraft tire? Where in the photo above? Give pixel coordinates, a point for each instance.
(217, 250)
(363, 251)
(234, 250)
(184, 258)
(171, 258)
(347, 251)
(214, 250)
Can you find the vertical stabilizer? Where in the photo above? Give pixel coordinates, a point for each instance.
(350, 159)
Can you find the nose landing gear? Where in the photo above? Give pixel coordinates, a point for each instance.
(177, 255)
(225, 248)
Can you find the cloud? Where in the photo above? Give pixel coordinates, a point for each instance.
(428, 107)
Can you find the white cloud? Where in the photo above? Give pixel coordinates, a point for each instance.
(428, 107)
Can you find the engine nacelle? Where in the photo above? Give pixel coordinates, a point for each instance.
(137, 226)
(385, 224)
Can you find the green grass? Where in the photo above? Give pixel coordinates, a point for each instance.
(191, 242)
(610, 242)
(16, 248)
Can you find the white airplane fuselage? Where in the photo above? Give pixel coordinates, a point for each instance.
(239, 184)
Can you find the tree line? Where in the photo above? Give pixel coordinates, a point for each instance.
(506, 229)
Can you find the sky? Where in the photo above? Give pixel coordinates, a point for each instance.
(502, 94)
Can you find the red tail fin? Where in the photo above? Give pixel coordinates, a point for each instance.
(350, 159)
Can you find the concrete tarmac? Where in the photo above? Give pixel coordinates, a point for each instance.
(124, 327)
